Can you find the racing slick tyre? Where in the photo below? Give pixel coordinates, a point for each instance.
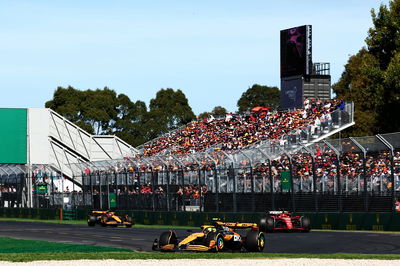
(305, 224)
(255, 241)
(103, 221)
(267, 224)
(167, 238)
(219, 243)
(129, 220)
(91, 221)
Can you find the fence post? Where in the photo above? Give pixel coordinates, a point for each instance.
(271, 181)
(314, 184)
(167, 188)
(154, 174)
(232, 174)
(339, 183)
(126, 190)
(291, 184)
(393, 181)
(365, 183)
(216, 188)
(182, 175)
(108, 189)
(100, 191)
(253, 207)
(364, 152)
(116, 190)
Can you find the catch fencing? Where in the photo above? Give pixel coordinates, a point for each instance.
(340, 175)
(352, 174)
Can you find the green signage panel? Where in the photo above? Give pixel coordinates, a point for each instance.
(113, 200)
(286, 180)
(13, 135)
(41, 189)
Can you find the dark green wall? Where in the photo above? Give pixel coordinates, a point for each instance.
(334, 221)
(13, 135)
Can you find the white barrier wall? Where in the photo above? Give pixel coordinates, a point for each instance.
(38, 136)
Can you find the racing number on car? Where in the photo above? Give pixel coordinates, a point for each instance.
(236, 238)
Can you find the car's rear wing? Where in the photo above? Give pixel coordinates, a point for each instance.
(277, 212)
(100, 212)
(237, 225)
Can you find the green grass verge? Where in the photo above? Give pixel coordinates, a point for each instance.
(84, 222)
(11, 245)
(15, 257)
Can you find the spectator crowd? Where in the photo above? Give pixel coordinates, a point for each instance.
(236, 131)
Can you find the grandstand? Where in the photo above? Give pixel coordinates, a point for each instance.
(59, 155)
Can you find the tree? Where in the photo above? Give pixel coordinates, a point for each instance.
(68, 102)
(361, 82)
(371, 77)
(131, 120)
(259, 95)
(100, 109)
(94, 111)
(383, 38)
(216, 112)
(168, 110)
(219, 111)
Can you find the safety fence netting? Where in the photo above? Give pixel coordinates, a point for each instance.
(351, 174)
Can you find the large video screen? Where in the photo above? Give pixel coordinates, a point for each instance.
(294, 46)
(292, 93)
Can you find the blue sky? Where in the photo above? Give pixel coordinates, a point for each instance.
(212, 50)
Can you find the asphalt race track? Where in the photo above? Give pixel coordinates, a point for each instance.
(141, 239)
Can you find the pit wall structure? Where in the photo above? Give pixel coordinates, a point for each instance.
(327, 220)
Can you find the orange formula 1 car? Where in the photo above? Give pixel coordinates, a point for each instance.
(284, 221)
(219, 236)
(108, 218)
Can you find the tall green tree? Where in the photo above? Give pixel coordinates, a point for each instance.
(131, 121)
(168, 110)
(361, 82)
(95, 111)
(371, 77)
(100, 109)
(216, 112)
(68, 102)
(259, 95)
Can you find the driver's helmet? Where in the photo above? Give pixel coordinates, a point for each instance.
(225, 228)
(209, 229)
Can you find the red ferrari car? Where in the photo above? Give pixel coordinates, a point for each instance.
(284, 221)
